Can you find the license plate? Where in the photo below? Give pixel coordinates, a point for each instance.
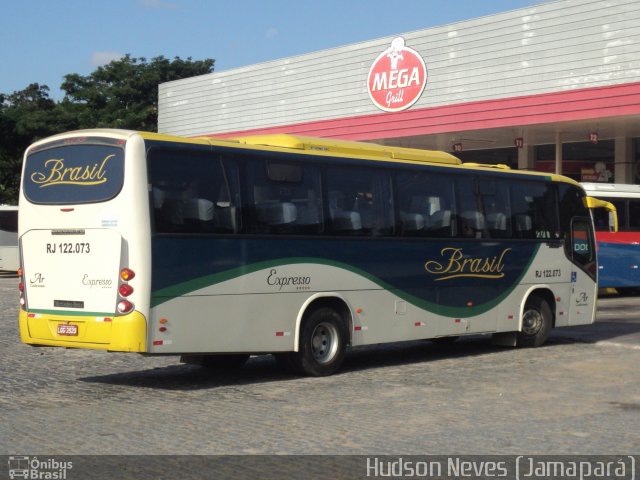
(68, 330)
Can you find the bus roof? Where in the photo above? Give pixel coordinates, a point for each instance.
(318, 146)
(611, 189)
(347, 147)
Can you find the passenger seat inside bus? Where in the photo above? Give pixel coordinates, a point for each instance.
(276, 213)
(523, 226)
(497, 223)
(343, 221)
(472, 224)
(412, 223)
(308, 215)
(224, 218)
(346, 221)
(198, 209)
(439, 223)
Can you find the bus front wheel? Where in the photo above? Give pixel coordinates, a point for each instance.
(322, 344)
(537, 321)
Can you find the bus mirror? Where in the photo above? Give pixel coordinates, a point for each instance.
(613, 222)
(591, 202)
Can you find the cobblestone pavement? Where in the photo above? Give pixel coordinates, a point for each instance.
(579, 394)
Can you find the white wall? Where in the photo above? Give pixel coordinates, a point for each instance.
(551, 47)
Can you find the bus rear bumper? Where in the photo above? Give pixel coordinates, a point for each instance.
(125, 333)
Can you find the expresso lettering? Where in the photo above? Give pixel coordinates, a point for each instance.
(96, 282)
(282, 281)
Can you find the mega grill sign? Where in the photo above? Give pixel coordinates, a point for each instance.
(397, 77)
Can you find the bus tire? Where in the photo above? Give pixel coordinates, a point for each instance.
(322, 344)
(537, 321)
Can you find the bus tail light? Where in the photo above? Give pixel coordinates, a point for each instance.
(127, 274)
(124, 306)
(23, 298)
(125, 290)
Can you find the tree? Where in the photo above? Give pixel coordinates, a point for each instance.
(124, 93)
(121, 94)
(25, 116)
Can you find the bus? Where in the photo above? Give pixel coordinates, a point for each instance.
(300, 247)
(8, 238)
(619, 251)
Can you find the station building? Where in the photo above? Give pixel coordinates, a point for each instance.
(553, 87)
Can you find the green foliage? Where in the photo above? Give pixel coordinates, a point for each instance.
(25, 116)
(121, 94)
(124, 93)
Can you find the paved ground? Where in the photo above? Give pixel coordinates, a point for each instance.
(578, 395)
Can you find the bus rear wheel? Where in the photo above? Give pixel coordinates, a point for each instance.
(537, 321)
(322, 344)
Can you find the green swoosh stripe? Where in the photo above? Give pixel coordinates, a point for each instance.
(180, 289)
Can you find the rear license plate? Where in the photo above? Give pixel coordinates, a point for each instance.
(68, 330)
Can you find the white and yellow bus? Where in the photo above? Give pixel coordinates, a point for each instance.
(295, 246)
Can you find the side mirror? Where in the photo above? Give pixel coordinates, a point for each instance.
(591, 202)
(613, 222)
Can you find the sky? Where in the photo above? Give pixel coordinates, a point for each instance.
(41, 41)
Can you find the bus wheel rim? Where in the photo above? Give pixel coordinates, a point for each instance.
(532, 322)
(324, 342)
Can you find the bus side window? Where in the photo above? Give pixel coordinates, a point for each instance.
(495, 202)
(192, 192)
(286, 197)
(470, 213)
(359, 202)
(634, 216)
(424, 204)
(533, 207)
(601, 219)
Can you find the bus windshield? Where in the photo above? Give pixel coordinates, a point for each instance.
(72, 174)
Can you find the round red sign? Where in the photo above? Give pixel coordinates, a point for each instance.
(397, 77)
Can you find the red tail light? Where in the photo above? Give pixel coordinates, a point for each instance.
(23, 300)
(125, 290)
(125, 306)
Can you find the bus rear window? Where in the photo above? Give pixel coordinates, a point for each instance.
(72, 174)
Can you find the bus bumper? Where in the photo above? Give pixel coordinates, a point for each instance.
(126, 333)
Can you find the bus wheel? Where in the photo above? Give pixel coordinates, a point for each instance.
(322, 344)
(536, 322)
